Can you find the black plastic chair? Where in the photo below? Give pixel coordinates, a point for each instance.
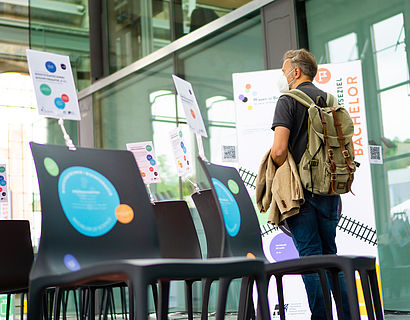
(177, 239)
(243, 237)
(17, 259)
(88, 236)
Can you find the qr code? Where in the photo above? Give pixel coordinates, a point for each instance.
(375, 153)
(229, 153)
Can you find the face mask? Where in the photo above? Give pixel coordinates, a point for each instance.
(283, 84)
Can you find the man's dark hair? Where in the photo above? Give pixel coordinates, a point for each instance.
(304, 60)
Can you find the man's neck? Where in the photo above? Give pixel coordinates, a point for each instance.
(299, 81)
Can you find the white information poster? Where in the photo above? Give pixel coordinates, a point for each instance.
(181, 154)
(255, 96)
(190, 105)
(3, 184)
(54, 85)
(147, 162)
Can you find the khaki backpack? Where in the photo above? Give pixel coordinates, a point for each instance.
(327, 166)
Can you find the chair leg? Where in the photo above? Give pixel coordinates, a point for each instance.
(326, 293)
(123, 303)
(155, 297)
(75, 303)
(35, 301)
(163, 299)
(131, 301)
(188, 299)
(367, 294)
(281, 302)
(8, 306)
(337, 293)
(244, 299)
(57, 303)
(206, 290)
(222, 297)
(140, 300)
(351, 289)
(374, 285)
(263, 305)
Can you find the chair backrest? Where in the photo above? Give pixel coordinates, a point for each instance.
(94, 208)
(176, 230)
(16, 254)
(211, 221)
(242, 230)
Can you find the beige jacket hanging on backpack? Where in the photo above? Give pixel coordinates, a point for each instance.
(278, 189)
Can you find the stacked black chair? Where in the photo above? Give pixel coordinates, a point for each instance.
(17, 259)
(178, 240)
(243, 237)
(98, 224)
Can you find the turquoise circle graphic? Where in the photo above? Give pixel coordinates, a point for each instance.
(230, 209)
(88, 200)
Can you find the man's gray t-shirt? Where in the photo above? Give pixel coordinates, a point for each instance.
(293, 115)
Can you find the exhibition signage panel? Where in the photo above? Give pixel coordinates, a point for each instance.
(255, 97)
(54, 85)
(181, 154)
(144, 154)
(3, 184)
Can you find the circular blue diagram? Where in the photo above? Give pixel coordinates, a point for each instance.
(230, 209)
(88, 200)
(60, 104)
(71, 262)
(3, 183)
(51, 67)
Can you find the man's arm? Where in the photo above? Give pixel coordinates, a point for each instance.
(279, 150)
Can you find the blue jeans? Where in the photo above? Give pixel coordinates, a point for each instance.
(313, 232)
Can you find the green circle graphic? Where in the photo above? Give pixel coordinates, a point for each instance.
(2, 169)
(45, 89)
(233, 186)
(51, 166)
(180, 134)
(148, 147)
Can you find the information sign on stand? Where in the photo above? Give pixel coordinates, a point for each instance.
(181, 154)
(3, 184)
(54, 85)
(147, 162)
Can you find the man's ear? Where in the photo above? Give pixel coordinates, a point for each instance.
(298, 73)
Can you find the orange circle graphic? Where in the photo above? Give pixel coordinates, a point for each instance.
(250, 256)
(323, 76)
(193, 114)
(124, 213)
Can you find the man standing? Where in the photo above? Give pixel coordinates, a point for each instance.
(314, 227)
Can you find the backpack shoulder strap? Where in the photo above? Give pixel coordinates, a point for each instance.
(331, 100)
(300, 96)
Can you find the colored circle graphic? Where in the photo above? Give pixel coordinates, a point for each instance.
(193, 114)
(149, 157)
(71, 262)
(180, 134)
(89, 200)
(1, 178)
(3, 183)
(45, 89)
(65, 98)
(152, 162)
(148, 147)
(323, 76)
(282, 248)
(124, 213)
(230, 209)
(250, 255)
(2, 169)
(51, 167)
(60, 104)
(233, 186)
(51, 67)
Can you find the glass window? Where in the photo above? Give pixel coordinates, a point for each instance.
(376, 35)
(135, 29)
(343, 48)
(62, 27)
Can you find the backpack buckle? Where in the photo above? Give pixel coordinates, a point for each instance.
(314, 163)
(346, 154)
(333, 177)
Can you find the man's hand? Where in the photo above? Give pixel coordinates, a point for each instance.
(279, 150)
